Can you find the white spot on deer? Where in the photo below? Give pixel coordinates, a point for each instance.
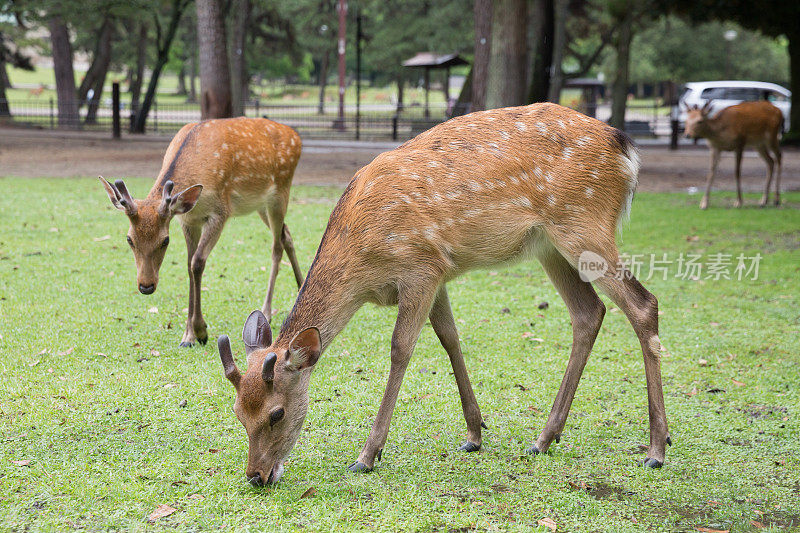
(551, 199)
(224, 146)
(216, 154)
(472, 212)
(521, 126)
(522, 201)
(491, 118)
(292, 143)
(541, 127)
(589, 191)
(567, 153)
(504, 135)
(405, 198)
(561, 124)
(548, 177)
(583, 141)
(474, 186)
(433, 164)
(539, 186)
(537, 172)
(452, 195)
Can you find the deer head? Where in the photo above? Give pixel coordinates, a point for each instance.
(696, 120)
(272, 395)
(148, 235)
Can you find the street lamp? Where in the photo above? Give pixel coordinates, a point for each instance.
(729, 36)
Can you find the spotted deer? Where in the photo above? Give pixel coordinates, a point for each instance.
(212, 170)
(749, 124)
(480, 190)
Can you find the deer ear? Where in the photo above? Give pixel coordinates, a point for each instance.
(305, 349)
(185, 200)
(112, 193)
(256, 333)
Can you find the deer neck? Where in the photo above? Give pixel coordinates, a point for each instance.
(330, 295)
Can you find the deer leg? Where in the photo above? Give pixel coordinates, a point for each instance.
(776, 149)
(412, 312)
(762, 151)
(738, 176)
(211, 233)
(715, 154)
(444, 326)
(288, 245)
(641, 308)
(587, 312)
(273, 218)
(192, 236)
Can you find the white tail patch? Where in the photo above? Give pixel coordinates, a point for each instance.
(629, 166)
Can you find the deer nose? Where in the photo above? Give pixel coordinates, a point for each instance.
(147, 289)
(256, 481)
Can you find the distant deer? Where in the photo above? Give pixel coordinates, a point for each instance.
(480, 190)
(212, 170)
(749, 124)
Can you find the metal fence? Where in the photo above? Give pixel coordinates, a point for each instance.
(371, 122)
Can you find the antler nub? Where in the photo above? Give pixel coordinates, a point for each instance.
(268, 368)
(225, 354)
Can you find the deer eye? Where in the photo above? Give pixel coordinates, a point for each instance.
(130, 241)
(275, 416)
(165, 243)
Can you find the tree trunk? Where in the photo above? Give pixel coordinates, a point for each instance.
(192, 77)
(619, 90)
(544, 29)
(793, 135)
(239, 71)
(323, 80)
(506, 82)
(140, 121)
(138, 75)
(65, 75)
(5, 83)
(181, 91)
(215, 75)
(94, 103)
(401, 86)
(559, 42)
(483, 47)
(100, 61)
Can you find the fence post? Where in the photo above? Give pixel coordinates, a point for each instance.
(673, 138)
(116, 126)
(258, 108)
(155, 115)
(52, 115)
(394, 127)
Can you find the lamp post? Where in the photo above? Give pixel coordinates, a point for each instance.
(729, 36)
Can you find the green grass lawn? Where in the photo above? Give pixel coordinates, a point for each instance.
(107, 418)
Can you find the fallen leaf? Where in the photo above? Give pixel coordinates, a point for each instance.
(549, 523)
(154, 352)
(213, 450)
(160, 512)
(709, 530)
(170, 385)
(103, 238)
(67, 352)
(713, 324)
(309, 493)
(153, 310)
(692, 392)
(34, 363)
(702, 362)
(737, 383)
(757, 524)
(529, 335)
(24, 462)
(543, 305)
(196, 497)
(692, 238)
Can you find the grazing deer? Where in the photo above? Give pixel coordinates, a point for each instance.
(477, 191)
(749, 124)
(212, 170)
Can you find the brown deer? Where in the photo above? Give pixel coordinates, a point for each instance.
(749, 124)
(484, 189)
(212, 170)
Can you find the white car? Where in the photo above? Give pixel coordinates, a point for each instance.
(727, 93)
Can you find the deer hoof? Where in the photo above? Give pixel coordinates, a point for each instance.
(652, 463)
(469, 447)
(358, 467)
(669, 440)
(533, 450)
(186, 344)
(203, 340)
